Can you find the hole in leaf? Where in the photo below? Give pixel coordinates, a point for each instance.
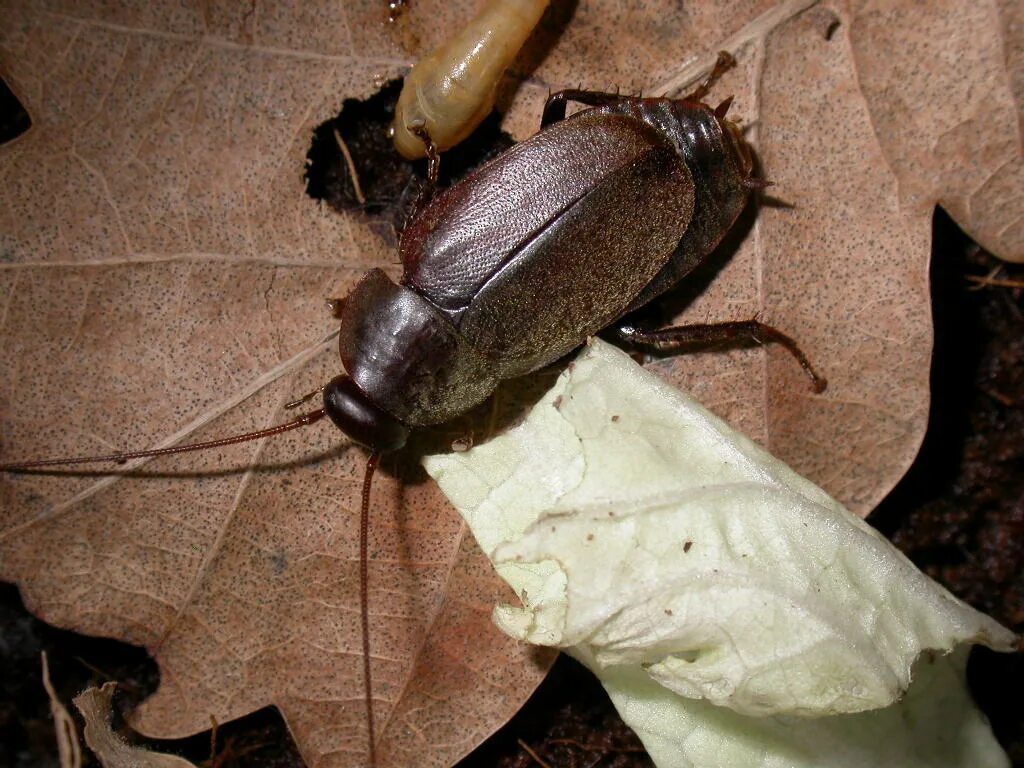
(363, 128)
(373, 178)
(14, 120)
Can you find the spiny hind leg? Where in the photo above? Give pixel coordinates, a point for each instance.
(681, 337)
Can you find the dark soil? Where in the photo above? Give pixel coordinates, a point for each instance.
(959, 514)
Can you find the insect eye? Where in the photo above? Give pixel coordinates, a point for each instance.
(353, 413)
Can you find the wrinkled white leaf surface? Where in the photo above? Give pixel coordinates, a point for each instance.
(658, 546)
(934, 726)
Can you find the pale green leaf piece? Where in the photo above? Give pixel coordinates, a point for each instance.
(736, 614)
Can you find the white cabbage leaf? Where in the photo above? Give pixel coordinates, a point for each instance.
(737, 614)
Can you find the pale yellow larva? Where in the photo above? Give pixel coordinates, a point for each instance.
(451, 90)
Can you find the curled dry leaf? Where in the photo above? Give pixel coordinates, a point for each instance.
(94, 704)
(162, 275)
(655, 544)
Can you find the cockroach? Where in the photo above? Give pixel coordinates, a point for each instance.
(558, 238)
(451, 90)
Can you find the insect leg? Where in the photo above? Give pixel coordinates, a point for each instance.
(433, 156)
(680, 337)
(304, 399)
(433, 171)
(554, 107)
(723, 64)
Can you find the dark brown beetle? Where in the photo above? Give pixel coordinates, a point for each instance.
(554, 240)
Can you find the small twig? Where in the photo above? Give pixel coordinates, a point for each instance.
(102, 674)
(594, 747)
(214, 726)
(984, 281)
(229, 753)
(751, 33)
(68, 748)
(106, 677)
(999, 397)
(532, 754)
(351, 167)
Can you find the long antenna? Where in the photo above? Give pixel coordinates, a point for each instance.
(120, 458)
(364, 522)
(364, 599)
